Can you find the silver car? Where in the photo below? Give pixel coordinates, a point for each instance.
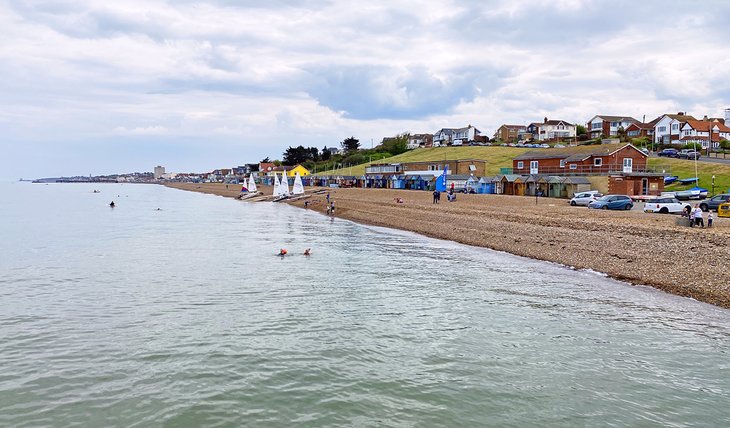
(585, 198)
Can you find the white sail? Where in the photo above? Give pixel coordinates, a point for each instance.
(277, 189)
(298, 188)
(284, 185)
(251, 184)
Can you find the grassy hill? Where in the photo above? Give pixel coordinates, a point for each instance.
(705, 170)
(496, 157)
(501, 157)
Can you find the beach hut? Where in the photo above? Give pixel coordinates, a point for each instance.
(471, 184)
(574, 184)
(458, 180)
(398, 181)
(532, 182)
(555, 186)
(486, 185)
(512, 184)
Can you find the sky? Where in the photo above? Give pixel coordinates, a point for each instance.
(101, 87)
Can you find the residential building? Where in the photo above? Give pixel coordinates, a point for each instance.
(552, 130)
(641, 130)
(668, 127)
(509, 133)
(707, 132)
(624, 165)
(159, 171)
(608, 126)
(266, 167)
(420, 140)
(455, 136)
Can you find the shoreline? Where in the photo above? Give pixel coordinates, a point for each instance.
(634, 247)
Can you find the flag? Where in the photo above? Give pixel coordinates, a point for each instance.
(441, 180)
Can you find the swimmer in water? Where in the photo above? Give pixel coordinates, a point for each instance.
(306, 252)
(282, 252)
(112, 204)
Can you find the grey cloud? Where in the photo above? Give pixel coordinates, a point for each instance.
(373, 92)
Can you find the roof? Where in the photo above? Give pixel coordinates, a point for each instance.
(457, 177)
(513, 126)
(554, 122)
(615, 118)
(576, 153)
(703, 125)
(511, 177)
(576, 180)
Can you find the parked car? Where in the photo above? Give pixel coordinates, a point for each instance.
(612, 202)
(688, 154)
(714, 202)
(723, 210)
(645, 150)
(585, 198)
(544, 146)
(665, 206)
(670, 153)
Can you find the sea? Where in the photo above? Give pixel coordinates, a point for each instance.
(173, 309)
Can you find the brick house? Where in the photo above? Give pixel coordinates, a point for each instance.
(623, 164)
(509, 133)
(608, 126)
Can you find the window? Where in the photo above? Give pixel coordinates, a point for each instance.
(662, 129)
(573, 166)
(675, 126)
(520, 165)
(633, 133)
(614, 124)
(597, 161)
(596, 125)
(562, 163)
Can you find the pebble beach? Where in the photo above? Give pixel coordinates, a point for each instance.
(643, 249)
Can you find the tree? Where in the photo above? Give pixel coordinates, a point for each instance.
(265, 160)
(621, 134)
(395, 145)
(314, 154)
(351, 144)
(580, 130)
(296, 155)
(725, 144)
(326, 153)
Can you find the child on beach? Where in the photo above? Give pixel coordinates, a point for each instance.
(709, 219)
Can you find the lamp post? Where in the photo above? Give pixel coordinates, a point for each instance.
(713, 185)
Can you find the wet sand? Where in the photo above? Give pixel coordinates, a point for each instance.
(649, 249)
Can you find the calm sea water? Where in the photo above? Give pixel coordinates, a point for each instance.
(185, 317)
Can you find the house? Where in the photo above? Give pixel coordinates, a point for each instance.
(593, 159)
(641, 130)
(623, 166)
(552, 130)
(668, 127)
(706, 132)
(608, 126)
(420, 140)
(454, 136)
(509, 133)
(265, 168)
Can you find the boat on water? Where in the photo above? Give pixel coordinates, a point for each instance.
(277, 191)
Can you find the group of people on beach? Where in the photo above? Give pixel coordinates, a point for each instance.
(696, 216)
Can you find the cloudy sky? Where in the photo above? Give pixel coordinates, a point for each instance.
(96, 87)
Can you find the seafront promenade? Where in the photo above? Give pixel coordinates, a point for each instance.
(646, 249)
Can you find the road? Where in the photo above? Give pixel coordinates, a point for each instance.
(725, 161)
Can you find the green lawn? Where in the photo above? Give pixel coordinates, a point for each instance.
(705, 170)
(496, 157)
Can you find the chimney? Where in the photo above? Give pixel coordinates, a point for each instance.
(681, 113)
(704, 118)
(545, 120)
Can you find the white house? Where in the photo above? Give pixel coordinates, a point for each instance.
(668, 127)
(420, 140)
(550, 130)
(455, 136)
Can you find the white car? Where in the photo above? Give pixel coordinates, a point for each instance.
(665, 206)
(585, 198)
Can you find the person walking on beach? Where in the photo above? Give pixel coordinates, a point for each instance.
(709, 219)
(436, 196)
(328, 198)
(332, 208)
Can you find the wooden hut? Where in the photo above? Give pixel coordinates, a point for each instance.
(512, 184)
(575, 184)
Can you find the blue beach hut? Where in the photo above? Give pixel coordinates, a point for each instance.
(486, 186)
